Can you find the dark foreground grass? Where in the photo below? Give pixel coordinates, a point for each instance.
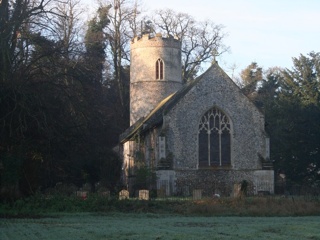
(256, 207)
(158, 226)
(97, 217)
(41, 205)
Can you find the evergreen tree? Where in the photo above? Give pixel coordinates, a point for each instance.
(291, 103)
(303, 81)
(95, 42)
(251, 74)
(54, 120)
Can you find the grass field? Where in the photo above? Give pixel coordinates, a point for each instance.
(61, 217)
(93, 226)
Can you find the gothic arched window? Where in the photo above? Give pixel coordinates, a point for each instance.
(214, 139)
(159, 69)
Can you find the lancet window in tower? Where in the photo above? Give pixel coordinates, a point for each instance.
(214, 139)
(159, 69)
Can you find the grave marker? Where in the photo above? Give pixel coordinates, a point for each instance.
(123, 194)
(197, 194)
(144, 195)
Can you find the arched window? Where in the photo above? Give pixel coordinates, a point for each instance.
(214, 139)
(159, 69)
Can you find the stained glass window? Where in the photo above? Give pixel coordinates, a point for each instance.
(214, 139)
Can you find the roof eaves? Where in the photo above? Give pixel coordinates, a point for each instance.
(142, 121)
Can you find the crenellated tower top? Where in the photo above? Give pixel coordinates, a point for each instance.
(156, 40)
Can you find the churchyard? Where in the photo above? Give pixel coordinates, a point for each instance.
(101, 216)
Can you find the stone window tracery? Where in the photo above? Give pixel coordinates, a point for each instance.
(214, 139)
(159, 69)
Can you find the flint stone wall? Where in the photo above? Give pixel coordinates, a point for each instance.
(221, 181)
(146, 92)
(216, 89)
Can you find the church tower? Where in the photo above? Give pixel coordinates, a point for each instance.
(155, 72)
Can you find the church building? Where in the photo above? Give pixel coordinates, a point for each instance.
(204, 134)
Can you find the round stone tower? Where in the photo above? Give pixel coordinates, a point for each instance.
(155, 72)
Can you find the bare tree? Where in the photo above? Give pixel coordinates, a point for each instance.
(124, 25)
(67, 26)
(202, 42)
(172, 23)
(236, 78)
(16, 17)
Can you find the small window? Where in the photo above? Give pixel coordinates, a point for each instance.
(159, 69)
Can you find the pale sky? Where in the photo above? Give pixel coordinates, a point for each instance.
(269, 32)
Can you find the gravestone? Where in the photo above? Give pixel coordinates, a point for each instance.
(237, 190)
(197, 194)
(144, 195)
(123, 194)
(82, 194)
